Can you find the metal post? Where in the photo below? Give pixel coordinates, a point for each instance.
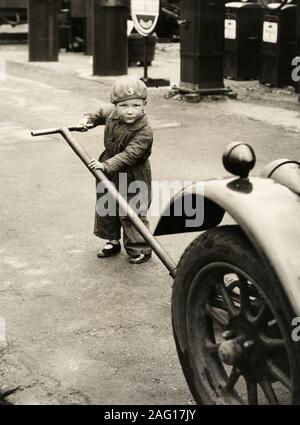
(145, 60)
(110, 42)
(43, 30)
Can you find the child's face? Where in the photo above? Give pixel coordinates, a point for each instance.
(130, 110)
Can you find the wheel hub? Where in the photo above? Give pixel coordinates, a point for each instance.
(242, 348)
(230, 352)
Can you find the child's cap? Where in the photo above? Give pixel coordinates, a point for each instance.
(128, 88)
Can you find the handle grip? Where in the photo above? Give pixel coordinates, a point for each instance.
(58, 130)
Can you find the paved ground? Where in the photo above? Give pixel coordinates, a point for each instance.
(81, 330)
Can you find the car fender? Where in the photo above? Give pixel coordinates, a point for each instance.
(267, 212)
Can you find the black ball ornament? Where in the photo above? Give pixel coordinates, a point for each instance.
(239, 159)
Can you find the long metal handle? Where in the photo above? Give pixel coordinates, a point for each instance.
(136, 221)
(58, 130)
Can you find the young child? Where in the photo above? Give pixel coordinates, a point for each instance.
(128, 140)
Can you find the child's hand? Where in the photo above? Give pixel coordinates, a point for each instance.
(95, 165)
(84, 123)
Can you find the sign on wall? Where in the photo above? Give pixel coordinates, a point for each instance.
(230, 29)
(270, 32)
(144, 14)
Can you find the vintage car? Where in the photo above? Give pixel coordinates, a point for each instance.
(236, 295)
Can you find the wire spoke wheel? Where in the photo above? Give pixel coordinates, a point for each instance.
(256, 355)
(232, 329)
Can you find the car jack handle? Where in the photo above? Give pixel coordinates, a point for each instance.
(121, 202)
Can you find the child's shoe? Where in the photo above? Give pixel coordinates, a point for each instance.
(109, 250)
(141, 258)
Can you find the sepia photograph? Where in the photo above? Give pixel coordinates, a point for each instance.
(150, 210)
